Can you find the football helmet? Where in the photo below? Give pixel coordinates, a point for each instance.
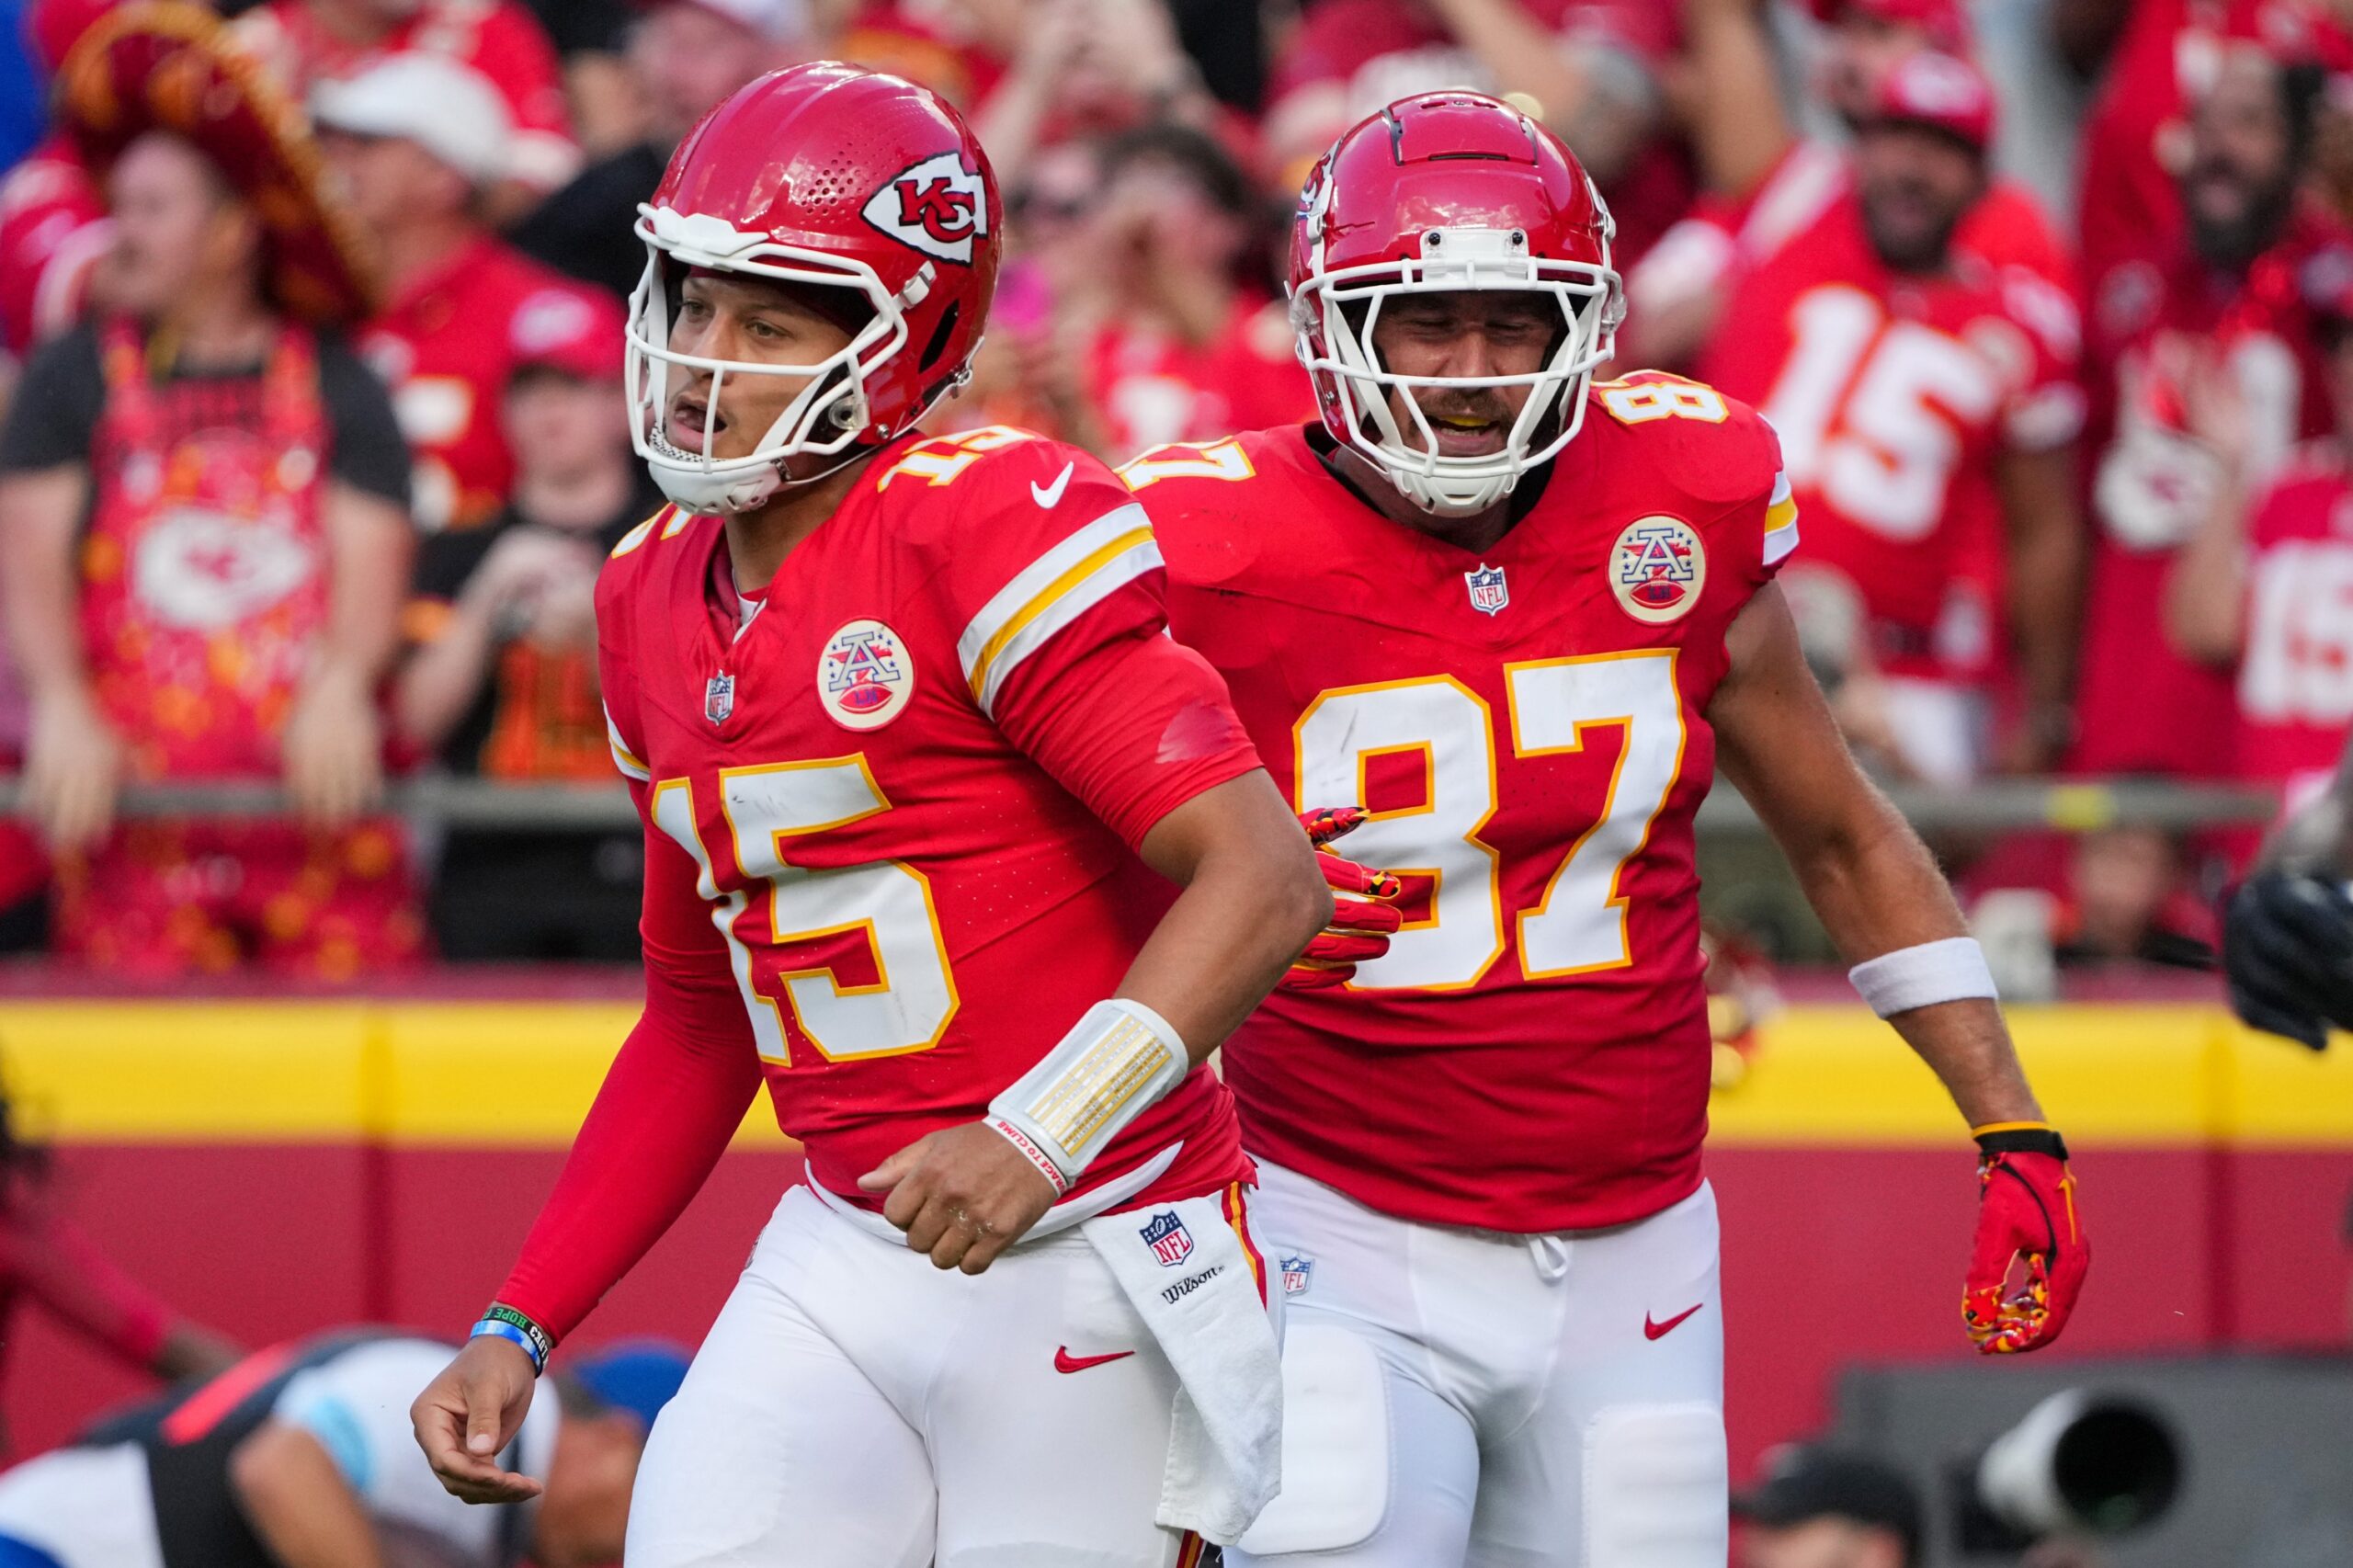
(1437, 193)
(821, 176)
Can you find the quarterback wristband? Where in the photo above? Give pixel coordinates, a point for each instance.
(2021, 1138)
(504, 1321)
(1952, 969)
(1115, 1063)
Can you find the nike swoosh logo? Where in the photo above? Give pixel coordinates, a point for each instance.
(1049, 497)
(1066, 1362)
(1661, 1330)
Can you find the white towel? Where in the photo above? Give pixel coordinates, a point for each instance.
(1200, 1289)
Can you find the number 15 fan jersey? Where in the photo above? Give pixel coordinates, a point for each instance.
(1527, 728)
(895, 807)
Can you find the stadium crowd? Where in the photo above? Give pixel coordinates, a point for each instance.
(316, 436)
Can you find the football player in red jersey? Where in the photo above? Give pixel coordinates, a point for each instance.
(905, 731)
(1522, 617)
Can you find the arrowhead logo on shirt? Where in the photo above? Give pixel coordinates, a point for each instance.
(864, 676)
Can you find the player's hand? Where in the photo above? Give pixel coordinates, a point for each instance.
(2026, 1206)
(465, 1418)
(963, 1195)
(74, 764)
(1364, 912)
(2288, 954)
(334, 749)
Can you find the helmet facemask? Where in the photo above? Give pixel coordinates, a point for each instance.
(1591, 300)
(831, 416)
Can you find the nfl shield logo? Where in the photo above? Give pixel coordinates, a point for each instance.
(1297, 1273)
(1488, 592)
(719, 699)
(1171, 1242)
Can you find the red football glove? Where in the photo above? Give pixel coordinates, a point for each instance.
(2026, 1204)
(1362, 916)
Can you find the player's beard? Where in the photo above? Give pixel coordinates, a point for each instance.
(1905, 244)
(2231, 242)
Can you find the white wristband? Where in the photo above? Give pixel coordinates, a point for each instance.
(1952, 969)
(1116, 1061)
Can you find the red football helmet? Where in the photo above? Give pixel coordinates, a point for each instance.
(821, 176)
(1439, 193)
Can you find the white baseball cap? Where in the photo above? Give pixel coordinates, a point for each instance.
(448, 108)
(781, 21)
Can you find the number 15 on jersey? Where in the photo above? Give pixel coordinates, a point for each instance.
(1578, 926)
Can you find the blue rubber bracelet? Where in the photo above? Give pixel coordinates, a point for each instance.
(498, 1329)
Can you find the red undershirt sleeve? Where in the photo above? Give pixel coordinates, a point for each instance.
(671, 1100)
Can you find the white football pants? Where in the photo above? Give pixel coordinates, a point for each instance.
(1469, 1399)
(855, 1407)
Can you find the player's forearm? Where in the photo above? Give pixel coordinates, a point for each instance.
(1741, 129)
(442, 678)
(2206, 584)
(39, 585)
(299, 1502)
(1252, 900)
(672, 1098)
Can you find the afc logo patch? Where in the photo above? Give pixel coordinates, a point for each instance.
(1657, 568)
(1299, 1272)
(1171, 1242)
(719, 698)
(1489, 592)
(864, 676)
(937, 206)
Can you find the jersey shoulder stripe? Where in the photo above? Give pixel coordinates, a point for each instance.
(1079, 573)
(631, 541)
(625, 757)
(1781, 521)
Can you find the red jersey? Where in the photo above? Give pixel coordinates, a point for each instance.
(2295, 674)
(1154, 389)
(53, 228)
(446, 346)
(499, 38)
(1529, 728)
(896, 807)
(1893, 397)
(2142, 707)
(2136, 134)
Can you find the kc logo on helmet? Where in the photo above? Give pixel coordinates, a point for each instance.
(938, 206)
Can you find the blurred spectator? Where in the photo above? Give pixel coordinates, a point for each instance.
(588, 36)
(304, 42)
(415, 139)
(52, 217)
(1182, 343)
(1592, 70)
(47, 1261)
(1090, 68)
(2161, 57)
(2231, 303)
(683, 57)
(1764, 179)
(2263, 589)
(1821, 1506)
(503, 680)
(1918, 396)
(204, 530)
(957, 48)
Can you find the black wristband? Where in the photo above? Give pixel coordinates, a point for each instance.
(541, 1340)
(2024, 1141)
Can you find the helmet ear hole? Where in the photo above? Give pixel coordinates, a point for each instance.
(941, 335)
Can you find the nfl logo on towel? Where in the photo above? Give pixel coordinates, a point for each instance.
(1488, 591)
(1171, 1242)
(719, 699)
(1297, 1273)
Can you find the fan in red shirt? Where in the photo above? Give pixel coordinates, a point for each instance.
(416, 139)
(1185, 351)
(52, 216)
(304, 42)
(2232, 302)
(2137, 139)
(1523, 618)
(909, 743)
(1922, 407)
(2264, 590)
